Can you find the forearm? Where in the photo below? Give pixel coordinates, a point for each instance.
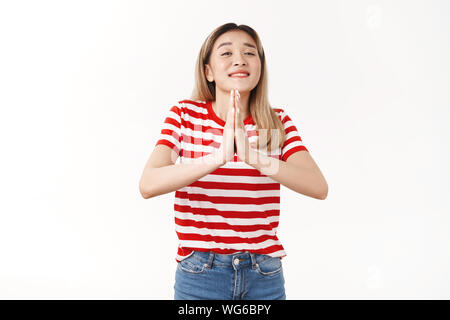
(158, 181)
(299, 179)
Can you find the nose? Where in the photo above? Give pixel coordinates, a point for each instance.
(238, 63)
(238, 60)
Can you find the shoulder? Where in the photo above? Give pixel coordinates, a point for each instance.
(279, 111)
(187, 105)
(286, 120)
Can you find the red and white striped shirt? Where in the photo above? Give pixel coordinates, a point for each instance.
(234, 208)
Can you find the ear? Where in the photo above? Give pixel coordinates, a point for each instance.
(208, 73)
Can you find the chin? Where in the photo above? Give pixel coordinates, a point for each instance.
(241, 88)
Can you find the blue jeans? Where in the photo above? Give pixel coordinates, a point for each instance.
(237, 276)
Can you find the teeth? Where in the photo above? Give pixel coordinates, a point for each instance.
(239, 74)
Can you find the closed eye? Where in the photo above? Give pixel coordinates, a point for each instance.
(230, 52)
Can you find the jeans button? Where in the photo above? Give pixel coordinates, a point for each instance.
(236, 261)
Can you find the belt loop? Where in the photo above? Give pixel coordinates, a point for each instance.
(253, 258)
(210, 259)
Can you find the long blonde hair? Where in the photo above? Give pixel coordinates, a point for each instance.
(262, 113)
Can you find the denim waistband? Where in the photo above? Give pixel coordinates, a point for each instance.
(235, 260)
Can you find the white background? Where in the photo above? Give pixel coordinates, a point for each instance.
(85, 86)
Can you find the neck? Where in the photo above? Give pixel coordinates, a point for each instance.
(222, 103)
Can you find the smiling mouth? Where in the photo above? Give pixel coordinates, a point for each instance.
(239, 75)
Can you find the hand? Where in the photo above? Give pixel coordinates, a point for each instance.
(240, 134)
(227, 149)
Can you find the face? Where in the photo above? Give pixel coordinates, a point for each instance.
(231, 57)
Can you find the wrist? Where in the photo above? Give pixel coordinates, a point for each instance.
(220, 157)
(252, 158)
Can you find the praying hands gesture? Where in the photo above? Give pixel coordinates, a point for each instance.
(235, 139)
(240, 135)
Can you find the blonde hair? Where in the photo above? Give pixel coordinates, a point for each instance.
(262, 113)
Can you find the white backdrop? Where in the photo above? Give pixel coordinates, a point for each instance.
(84, 89)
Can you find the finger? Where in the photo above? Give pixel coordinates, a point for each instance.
(236, 119)
(232, 97)
(236, 99)
(230, 115)
(230, 118)
(234, 108)
(239, 128)
(239, 120)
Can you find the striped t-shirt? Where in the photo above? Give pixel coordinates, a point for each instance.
(234, 208)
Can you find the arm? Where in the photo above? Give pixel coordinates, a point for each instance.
(161, 175)
(299, 173)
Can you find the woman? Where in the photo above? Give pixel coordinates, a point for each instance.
(235, 150)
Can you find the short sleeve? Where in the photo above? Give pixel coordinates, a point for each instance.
(293, 142)
(170, 134)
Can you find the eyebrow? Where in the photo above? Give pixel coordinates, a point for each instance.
(228, 43)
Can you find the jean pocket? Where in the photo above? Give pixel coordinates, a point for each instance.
(270, 266)
(192, 264)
